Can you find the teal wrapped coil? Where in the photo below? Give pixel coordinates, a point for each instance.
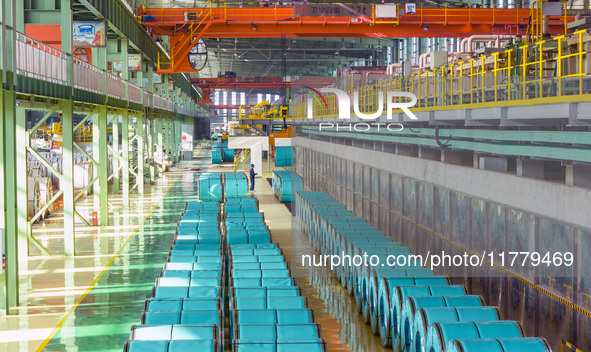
(411, 304)
(283, 156)
(286, 184)
(314, 345)
(529, 344)
(210, 187)
(440, 334)
(424, 317)
(221, 153)
(235, 185)
(375, 279)
(171, 345)
(216, 155)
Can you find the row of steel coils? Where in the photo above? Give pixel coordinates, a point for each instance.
(215, 186)
(220, 153)
(186, 310)
(267, 312)
(407, 305)
(286, 184)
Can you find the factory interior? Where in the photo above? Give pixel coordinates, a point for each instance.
(295, 175)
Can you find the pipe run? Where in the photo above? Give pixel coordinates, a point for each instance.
(466, 43)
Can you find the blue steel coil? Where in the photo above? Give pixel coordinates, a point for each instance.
(440, 334)
(178, 304)
(286, 184)
(216, 155)
(411, 304)
(400, 295)
(424, 317)
(530, 344)
(235, 185)
(172, 346)
(289, 332)
(283, 156)
(210, 187)
(374, 286)
(317, 345)
(174, 332)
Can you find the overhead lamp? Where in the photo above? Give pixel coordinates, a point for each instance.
(426, 28)
(255, 27)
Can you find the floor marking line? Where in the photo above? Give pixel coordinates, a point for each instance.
(94, 282)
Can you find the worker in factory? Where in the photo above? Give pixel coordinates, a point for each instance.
(252, 175)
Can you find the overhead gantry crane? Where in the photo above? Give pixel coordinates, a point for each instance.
(186, 26)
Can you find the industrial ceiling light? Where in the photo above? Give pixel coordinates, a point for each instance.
(255, 27)
(426, 28)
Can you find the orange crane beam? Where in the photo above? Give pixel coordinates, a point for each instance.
(185, 26)
(264, 22)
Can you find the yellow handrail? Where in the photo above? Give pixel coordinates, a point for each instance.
(545, 69)
(240, 158)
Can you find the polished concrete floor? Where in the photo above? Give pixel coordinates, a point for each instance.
(89, 302)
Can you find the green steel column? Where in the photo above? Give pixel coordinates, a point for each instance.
(179, 128)
(11, 184)
(99, 59)
(116, 154)
(175, 139)
(9, 171)
(159, 138)
(150, 117)
(139, 132)
(168, 139)
(125, 155)
(67, 181)
(22, 191)
(120, 162)
(103, 171)
(96, 151)
(2, 183)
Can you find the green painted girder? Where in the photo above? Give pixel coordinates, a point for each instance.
(491, 147)
(124, 23)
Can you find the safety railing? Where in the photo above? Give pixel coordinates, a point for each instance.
(88, 77)
(115, 87)
(134, 93)
(37, 60)
(157, 101)
(552, 70)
